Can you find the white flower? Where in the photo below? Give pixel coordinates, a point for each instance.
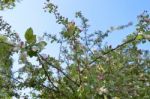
(102, 90)
(146, 36)
(35, 48)
(16, 48)
(17, 35)
(10, 42)
(147, 84)
(140, 33)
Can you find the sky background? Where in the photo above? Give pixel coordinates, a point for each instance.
(102, 14)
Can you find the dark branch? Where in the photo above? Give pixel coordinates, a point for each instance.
(113, 49)
(59, 70)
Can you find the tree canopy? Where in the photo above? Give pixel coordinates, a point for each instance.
(85, 68)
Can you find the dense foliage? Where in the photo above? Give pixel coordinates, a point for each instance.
(85, 68)
(7, 4)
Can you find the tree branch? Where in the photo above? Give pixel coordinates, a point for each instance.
(46, 73)
(107, 52)
(59, 70)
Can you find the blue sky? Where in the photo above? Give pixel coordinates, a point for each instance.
(101, 14)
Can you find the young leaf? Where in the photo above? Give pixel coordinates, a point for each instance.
(42, 44)
(6, 1)
(29, 36)
(139, 37)
(32, 53)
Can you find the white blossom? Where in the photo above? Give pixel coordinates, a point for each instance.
(146, 36)
(10, 42)
(102, 90)
(147, 84)
(35, 48)
(17, 35)
(16, 48)
(140, 33)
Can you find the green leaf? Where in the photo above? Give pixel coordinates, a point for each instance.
(139, 37)
(9, 1)
(42, 44)
(6, 1)
(32, 53)
(3, 38)
(29, 36)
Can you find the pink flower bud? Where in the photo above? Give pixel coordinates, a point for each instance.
(21, 44)
(146, 19)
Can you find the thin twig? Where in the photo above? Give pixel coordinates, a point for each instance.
(60, 71)
(46, 74)
(113, 49)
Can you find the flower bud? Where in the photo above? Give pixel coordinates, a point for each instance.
(17, 35)
(21, 44)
